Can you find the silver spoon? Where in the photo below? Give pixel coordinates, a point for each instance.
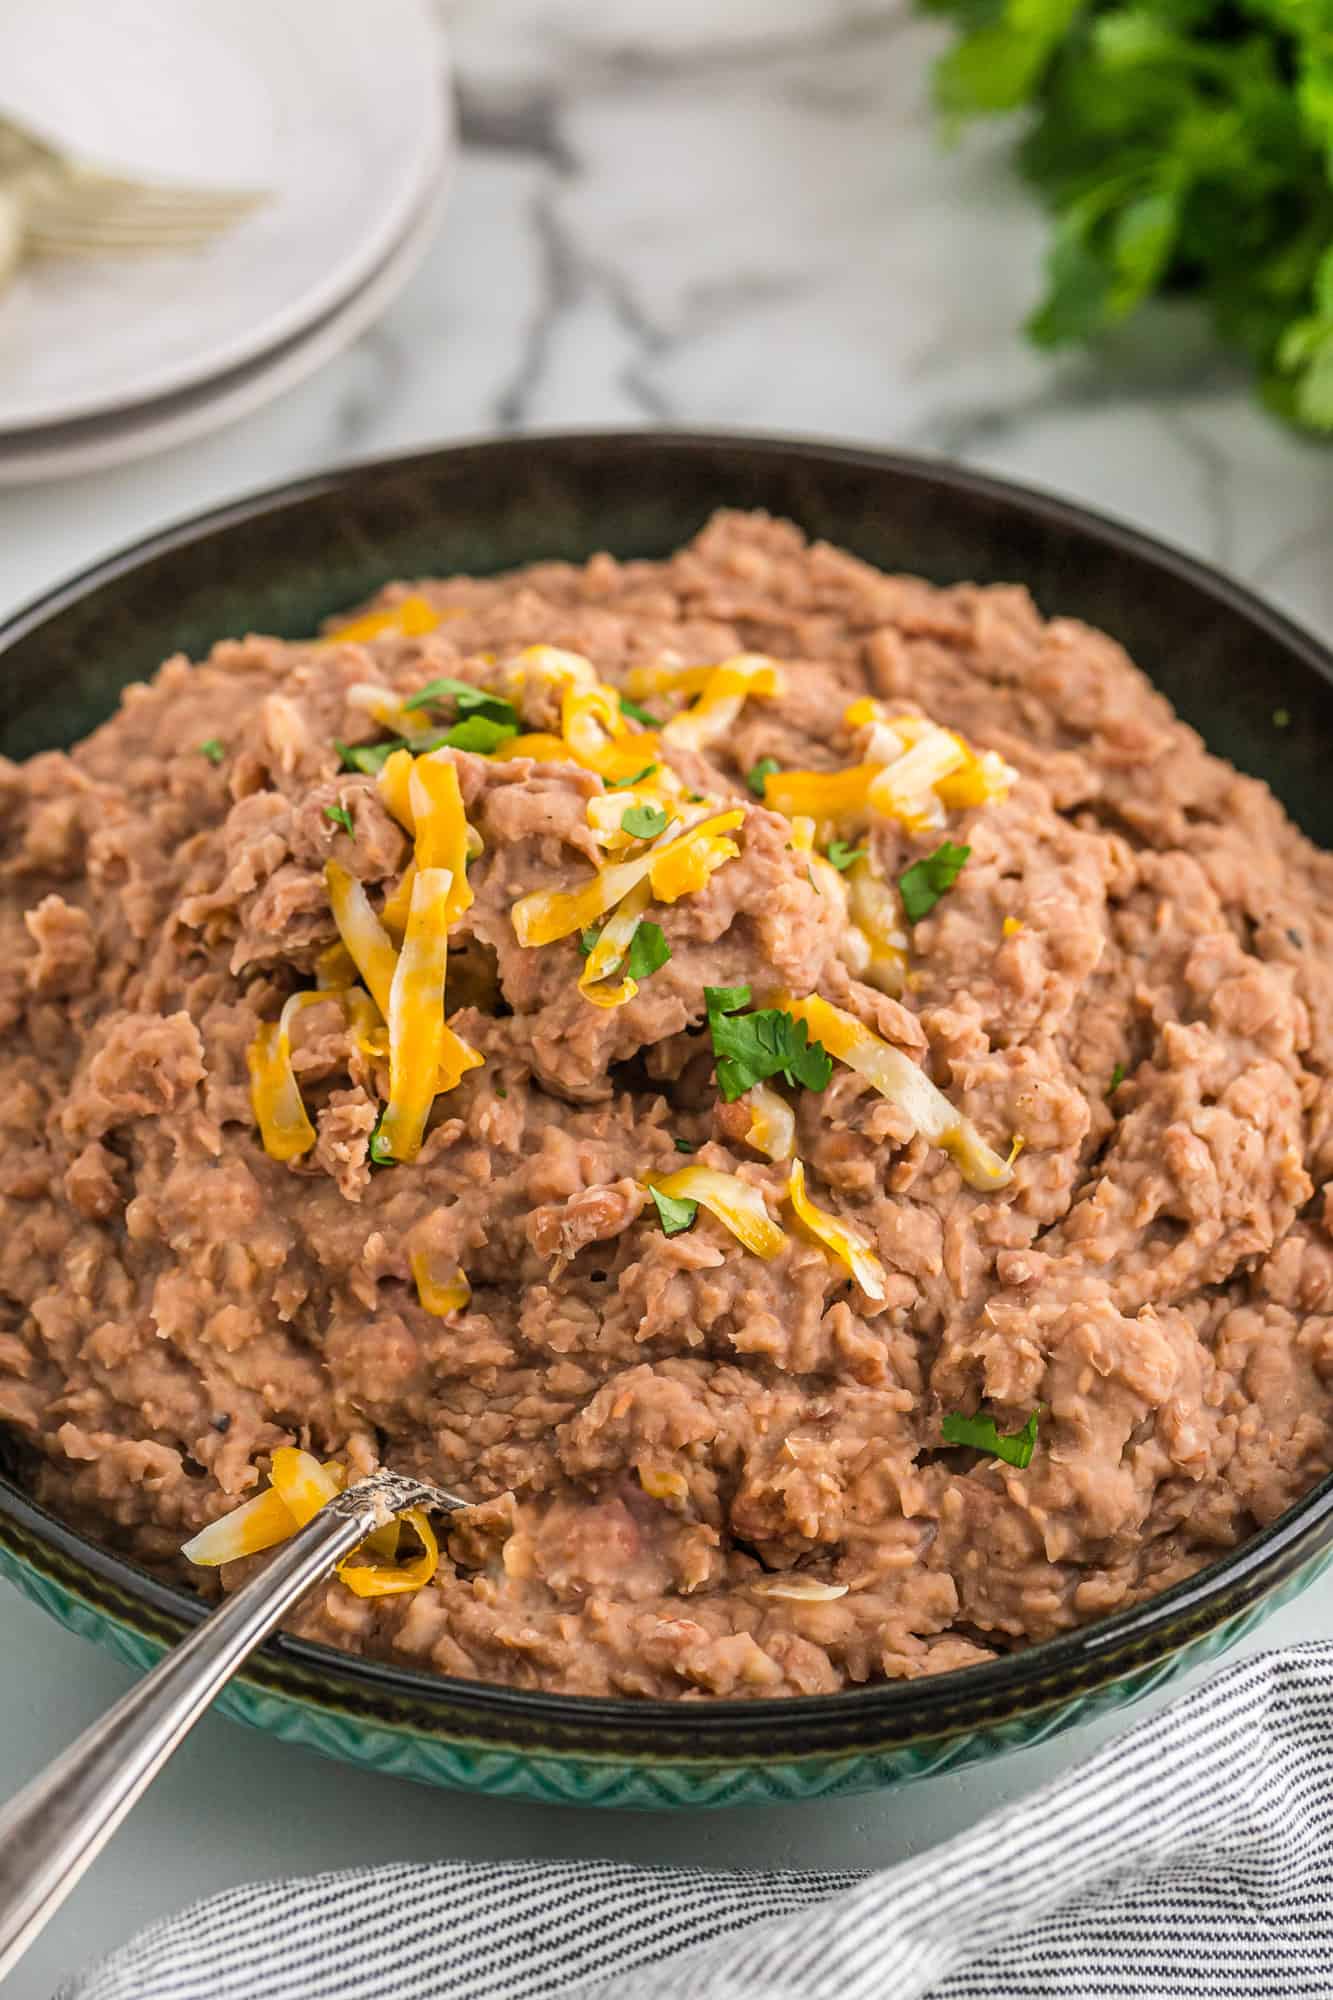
(57, 1825)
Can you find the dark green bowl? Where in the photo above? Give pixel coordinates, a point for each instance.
(282, 561)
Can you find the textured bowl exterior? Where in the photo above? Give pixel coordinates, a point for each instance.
(282, 561)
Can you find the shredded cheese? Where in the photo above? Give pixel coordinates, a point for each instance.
(909, 770)
(413, 616)
(850, 1245)
(721, 700)
(772, 1122)
(425, 1055)
(547, 914)
(739, 1206)
(873, 910)
(441, 827)
(896, 1077)
(275, 1095)
(439, 1296)
(598, 982)
(369, 944)
(300, 1487)
(660, 1482)
(394, 784)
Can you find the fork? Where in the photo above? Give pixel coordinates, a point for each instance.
(70, 209)
(59, 1823)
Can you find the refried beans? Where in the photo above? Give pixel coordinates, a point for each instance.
(907, 1236)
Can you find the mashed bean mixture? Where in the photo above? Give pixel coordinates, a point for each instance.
(704, 1471)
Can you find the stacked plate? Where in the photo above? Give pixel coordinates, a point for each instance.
(337, 109)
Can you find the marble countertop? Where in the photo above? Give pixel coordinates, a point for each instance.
(709, 217)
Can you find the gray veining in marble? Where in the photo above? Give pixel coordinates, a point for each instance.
(699, 214)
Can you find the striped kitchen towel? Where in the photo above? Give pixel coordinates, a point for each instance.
(1191, 1857)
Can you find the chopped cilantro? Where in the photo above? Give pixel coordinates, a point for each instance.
(643, 822)
(648, 951)
(369, 758)
(479, 733)
(685, 1145)
(842, 856)
(213, 750)
(500, 1090)
(1282, 718)
(756, 774)
(750, 1047)
(673, 1212)
(467, 700)
(1117, 1078)
(620, 784)
(1015, 1448)
(632, 709)
(695, 798)
(341, 817)
(925, 881)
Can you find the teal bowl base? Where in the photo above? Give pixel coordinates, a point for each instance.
(584, 1780)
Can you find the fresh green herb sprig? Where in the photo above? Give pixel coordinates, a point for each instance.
(842, 856)
(213, 749)
(757, 773)
(926, 880)
(341, 817)
(674, 1212)
(637, 714)
(1181, 146)
(643, 822)
(1014, 1447)
(750, 1047)
(648, 949)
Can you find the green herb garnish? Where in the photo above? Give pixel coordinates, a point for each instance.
(1015, 1448)
(648, 951)
(341, 817)
(1182, 148)
(380, 1156)
(1282, 718)
(643, 822)
(632, 709)
(925, 882)
(685, 1145)
(213, 750)
(623, 784)
(674, 1212)
(756, 774)
(467, 700)
(750, 1047)
(1117, 1078)
(842, 856)
(481, 734)
(369, 758)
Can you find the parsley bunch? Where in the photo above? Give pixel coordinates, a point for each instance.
(767, 1042)
(1181, 146)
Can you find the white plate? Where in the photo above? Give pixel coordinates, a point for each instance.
(332, 105)
(92, 446)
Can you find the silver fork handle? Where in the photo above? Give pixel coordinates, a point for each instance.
(57, 1825)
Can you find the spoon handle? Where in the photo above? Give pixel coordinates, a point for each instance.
(56, 1826)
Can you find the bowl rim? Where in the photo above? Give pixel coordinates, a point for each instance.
(1140, 1635)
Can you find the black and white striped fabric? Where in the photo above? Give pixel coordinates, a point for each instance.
(1191, 1857)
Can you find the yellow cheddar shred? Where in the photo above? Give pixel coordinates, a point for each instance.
(424, 1054)
(275, 1095)
(411, 617)
(850, 1245)
(772, 1122)
(598, 981)
(547, 914)
(837, 797)
(900, 1080)
(438, 1296)
(394, 784)
(300, 1487)
(538, 744)
(365, 937)
(721, 700)
(441, 828)
(738, 1205)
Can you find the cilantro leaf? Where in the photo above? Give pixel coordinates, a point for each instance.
(755, 776)
(621, 784)
(467, 700)
(1014, 1447)
(479, 733)
(643, 822)
(925, 881)
(674, 1212)
(341, 817)
(214, 750)
(369, 758)
(648, 951)
(587, 939)
(842, 856)
(685, 1145)
(750, 1047)
(1117, 1078)
(631, 708)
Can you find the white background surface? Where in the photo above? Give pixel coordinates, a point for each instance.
(703, 215)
